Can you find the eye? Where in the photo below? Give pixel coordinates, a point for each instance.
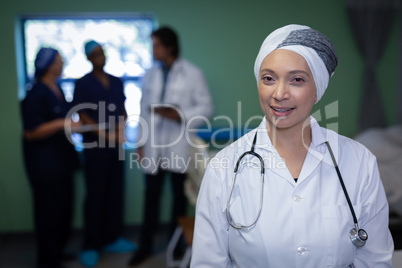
(298, 80)
(267, 79)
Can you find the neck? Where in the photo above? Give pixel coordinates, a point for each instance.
(98, 71)
(49, 80)
(290, 139)
(169, 61)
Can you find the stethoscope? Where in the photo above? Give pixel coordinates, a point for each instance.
(357, 236)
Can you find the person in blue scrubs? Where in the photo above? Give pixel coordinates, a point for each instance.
(104, 172)
(50, 158)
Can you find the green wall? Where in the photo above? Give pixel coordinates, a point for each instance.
(223, 38)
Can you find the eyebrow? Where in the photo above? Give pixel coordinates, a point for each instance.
(291, 72)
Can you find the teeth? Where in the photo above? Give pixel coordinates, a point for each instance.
(282, 110)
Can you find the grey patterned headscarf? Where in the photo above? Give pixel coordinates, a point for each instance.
(312, 45)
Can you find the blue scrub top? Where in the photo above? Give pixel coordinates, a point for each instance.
(45, 158)
(89, 89)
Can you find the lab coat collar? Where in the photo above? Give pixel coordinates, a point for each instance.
(319, 136)
(316, 151)
(263, 140)
(268, 152)
(176, 64)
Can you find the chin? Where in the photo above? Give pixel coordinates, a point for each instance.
(281, 124)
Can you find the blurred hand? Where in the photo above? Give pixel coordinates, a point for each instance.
(140, 152)
(168, 112)
(75, 126)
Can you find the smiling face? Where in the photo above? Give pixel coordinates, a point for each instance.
(286, 89)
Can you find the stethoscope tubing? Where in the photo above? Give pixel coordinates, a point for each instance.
(342, 184)
(252, 152)
(236, 226)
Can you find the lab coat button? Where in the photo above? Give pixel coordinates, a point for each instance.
(296, 198)
(302, 251)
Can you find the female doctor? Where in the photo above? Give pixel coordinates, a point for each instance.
(303, 196)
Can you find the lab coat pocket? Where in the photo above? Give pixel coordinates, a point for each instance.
(338, 222)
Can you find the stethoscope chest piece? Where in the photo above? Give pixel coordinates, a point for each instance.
(358, 237)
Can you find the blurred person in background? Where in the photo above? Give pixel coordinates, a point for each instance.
(175, 97)
(104, 172)
(50, 158)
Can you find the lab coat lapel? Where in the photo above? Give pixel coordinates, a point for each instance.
(156, 86)
(316, 151)
(174, 83)
(272, 160)
(313, 159)
(276, 164)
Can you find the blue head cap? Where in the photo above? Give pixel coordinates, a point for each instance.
(44, 59)
(90, 46)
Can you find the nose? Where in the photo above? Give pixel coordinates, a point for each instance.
(281, 92)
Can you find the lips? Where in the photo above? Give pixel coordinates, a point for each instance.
(282, 111)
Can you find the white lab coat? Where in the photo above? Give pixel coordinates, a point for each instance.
(165, 142)
(304, 224)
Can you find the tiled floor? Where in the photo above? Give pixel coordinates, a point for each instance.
(17, 251)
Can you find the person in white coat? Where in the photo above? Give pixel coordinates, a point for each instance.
(299, 215)
(175, 102)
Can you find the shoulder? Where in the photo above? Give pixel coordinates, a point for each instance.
(39, 88)
(86, 77)
(153, 70)
(156, 66)
(114, 78)
(116, 82)
(37, 91)
(220, 168)
(228, 156)
(37, 101)
(349, 148)
(83, 80)
(189, 66)
(82, 88)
